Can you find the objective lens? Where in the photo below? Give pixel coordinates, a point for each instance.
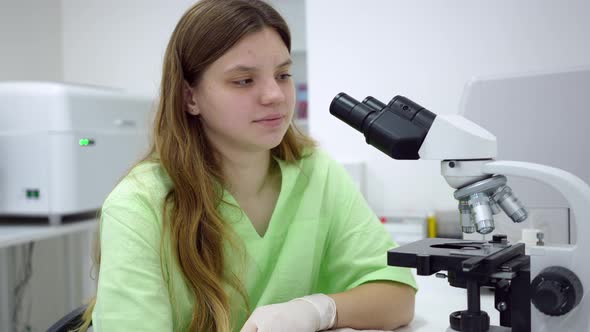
(494, 206)
(467, 225)
(510, 204)
(482, 213)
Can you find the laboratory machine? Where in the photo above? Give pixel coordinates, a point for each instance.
(64, 147)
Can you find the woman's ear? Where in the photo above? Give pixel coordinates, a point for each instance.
(190, 100)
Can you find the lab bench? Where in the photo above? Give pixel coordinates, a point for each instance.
(14, 236)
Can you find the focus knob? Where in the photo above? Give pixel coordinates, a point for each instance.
(556, 291)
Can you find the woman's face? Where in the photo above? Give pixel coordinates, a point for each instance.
(246, 98)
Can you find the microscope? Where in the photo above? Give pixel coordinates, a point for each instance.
(540, 290)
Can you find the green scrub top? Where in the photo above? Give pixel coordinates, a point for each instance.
(322, 238)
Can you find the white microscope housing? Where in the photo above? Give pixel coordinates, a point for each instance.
(64, 147)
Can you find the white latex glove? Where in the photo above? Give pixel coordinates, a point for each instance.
(306, 314)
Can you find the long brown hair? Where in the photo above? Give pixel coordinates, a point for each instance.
(192, 222)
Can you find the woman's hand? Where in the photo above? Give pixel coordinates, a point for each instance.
(307, 314)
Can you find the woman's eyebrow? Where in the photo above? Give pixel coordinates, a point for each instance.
(244, 68)
(240, 68)
(285, 63)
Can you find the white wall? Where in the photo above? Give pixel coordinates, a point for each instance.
(426, 50)
(293, 11)
(122, 43)
(30, 40)
(118, 43)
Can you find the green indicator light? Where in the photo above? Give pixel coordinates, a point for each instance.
(84, 142)
(29, 194)
(36, 193)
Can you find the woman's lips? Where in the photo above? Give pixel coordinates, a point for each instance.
(271, 121)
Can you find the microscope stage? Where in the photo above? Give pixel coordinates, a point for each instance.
(431, 255)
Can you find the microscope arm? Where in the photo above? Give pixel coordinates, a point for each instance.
(573, 189)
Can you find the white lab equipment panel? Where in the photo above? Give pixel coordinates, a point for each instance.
(64, 147)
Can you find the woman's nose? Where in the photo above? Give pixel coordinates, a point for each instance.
(271, 93)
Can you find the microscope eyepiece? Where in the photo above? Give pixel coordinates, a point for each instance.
(374, 103)
(387, 129)
(351, 111)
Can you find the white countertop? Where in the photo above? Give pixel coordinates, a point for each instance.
(11, 235)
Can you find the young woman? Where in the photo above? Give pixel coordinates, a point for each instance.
(235, 221)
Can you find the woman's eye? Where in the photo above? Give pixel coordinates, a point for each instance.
(244, 82)
(284, 76)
